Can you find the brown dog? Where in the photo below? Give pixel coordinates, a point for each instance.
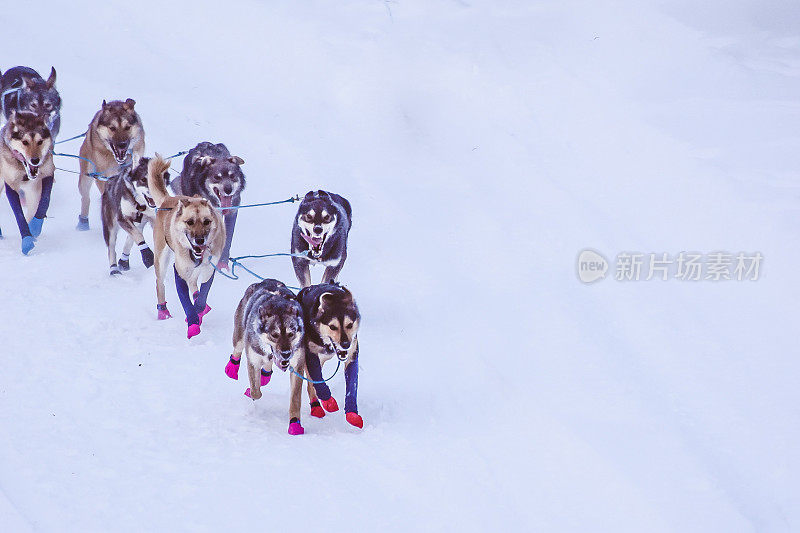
(115, 139)
(26, 167)
(195, 232)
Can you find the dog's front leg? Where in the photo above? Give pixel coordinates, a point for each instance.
(350, 397)
(161, 265)
(36, 217)
(24, 230)
(135, 235)
(323, 391)
(302, 271)
(111, 240)
(295, 399)
(332, 271)
(254, 373)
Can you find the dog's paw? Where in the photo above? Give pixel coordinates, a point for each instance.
(232, 368)
(192, 331)
(252, 395)
(355, 419)
(317, 410)
(83, 223)
(163, 312)
(124, 264)
(295, 428)
(35, 225)
(265, 377)
(28, 243)
(330, 405)
(147, 257)
(114, 270)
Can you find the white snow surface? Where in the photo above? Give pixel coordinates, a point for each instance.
(482, 145)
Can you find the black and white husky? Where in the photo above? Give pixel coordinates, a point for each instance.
(268, 327)
(320, 231)
(212, 172)
(22, 89)
(332, 321)
(128, 204)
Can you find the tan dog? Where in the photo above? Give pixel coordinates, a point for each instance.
(115, 139)
(26, 167)
(195, 232)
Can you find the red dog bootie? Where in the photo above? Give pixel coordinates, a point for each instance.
(355, 419)
(265, 377)
(232, 368)
(317, 410)
(330, 405)
(295, 428)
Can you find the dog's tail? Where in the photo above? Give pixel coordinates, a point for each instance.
(155, 179)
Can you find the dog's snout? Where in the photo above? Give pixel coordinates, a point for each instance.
(345, 345)
(228, 188)
(286, 353)
(122, 144)
(317, 229)
(200, 240)
(34, 160)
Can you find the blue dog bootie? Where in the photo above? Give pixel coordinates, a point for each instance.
(83, 223)
(35, 225)
(28, 243)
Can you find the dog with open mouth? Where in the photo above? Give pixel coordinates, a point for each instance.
(22, 89)
(127, 203)
(268, 328)
(194, 231)
(332, 321)
(212, 172)
(320, 232)
(26, 169)
(114, 140)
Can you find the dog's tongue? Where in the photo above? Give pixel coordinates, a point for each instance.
(225, 200)
(313, 241)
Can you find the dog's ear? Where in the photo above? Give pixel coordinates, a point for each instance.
(105, 105)
(309, 195)
(128, 104)
(185, 202)
(51, 81)
(323, 194)
(326, 299)
(236, 160)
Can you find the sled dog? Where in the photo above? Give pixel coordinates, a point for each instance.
(212, 172)
(114, 140)
(268, 328)
(194, 231)
(320, 231)
(25, 91)
(128, 204)
(26, 169)
(331, 329)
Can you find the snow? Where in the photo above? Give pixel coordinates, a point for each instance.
(482, 145)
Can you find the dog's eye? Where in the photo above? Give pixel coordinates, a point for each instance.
(326, 219)
(113, 128)
(190, 222)
(26, 143)
(127, 127)
(39, 143)
(290, 334)
(349, 326)
(206, 222)
(333, 328)
(48, 106)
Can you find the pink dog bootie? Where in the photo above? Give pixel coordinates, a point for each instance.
(232, 368)
(192, 331)
(265, 377)
(163, 312)
(295, 428)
